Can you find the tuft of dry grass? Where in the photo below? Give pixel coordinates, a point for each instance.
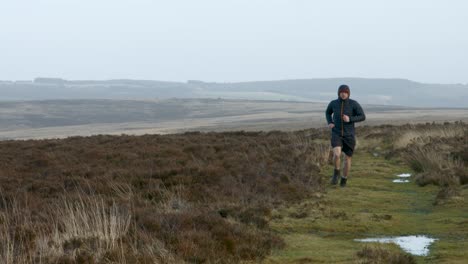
(377, 255)
(434, 167)
(87, 228)
(90, 218)
(418, 134)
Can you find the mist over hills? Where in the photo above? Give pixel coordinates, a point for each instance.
(367, 91)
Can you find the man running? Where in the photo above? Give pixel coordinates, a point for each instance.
(345, 112)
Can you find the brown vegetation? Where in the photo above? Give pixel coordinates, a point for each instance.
(377, 255)
(193, 197)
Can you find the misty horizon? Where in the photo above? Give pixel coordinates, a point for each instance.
(35, 79)
(234, 41)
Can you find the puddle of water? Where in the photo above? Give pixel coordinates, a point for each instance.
(404, 175)
(400, 180)
(416, 245)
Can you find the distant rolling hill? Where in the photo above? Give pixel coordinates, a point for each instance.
(367, 91)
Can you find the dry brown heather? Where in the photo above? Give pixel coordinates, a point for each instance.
(438, 153)
(193, 197)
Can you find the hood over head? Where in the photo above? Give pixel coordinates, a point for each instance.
(344, 89)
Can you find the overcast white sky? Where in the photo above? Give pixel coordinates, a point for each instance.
(234, 40)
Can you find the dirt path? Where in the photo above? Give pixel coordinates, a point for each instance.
(323, 230)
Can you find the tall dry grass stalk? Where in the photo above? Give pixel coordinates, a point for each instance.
(122, 190)
(14, 246)
(172, 200)
(90, 217)
(410, 136)
(7, 243)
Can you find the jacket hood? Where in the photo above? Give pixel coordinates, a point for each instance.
(344, 89)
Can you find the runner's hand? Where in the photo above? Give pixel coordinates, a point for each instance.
(346, 118)
(331, 125)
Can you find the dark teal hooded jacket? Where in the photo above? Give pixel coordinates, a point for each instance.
(340, 107)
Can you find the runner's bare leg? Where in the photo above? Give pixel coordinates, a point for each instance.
(347, 166)
(337, 157)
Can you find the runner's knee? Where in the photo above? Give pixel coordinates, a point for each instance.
(336, 153)
(347, 160)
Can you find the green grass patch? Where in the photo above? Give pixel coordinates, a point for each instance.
(372, 206)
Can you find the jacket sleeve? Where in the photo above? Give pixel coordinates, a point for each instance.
(328, 113)
(359, 116)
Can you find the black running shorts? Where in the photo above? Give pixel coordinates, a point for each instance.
(347, 143)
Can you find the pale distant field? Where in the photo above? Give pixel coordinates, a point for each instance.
(64, 118)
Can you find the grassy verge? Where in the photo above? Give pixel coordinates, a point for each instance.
(372, 206)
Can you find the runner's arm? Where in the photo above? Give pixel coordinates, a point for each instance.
(328, 113)
(359, 114)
